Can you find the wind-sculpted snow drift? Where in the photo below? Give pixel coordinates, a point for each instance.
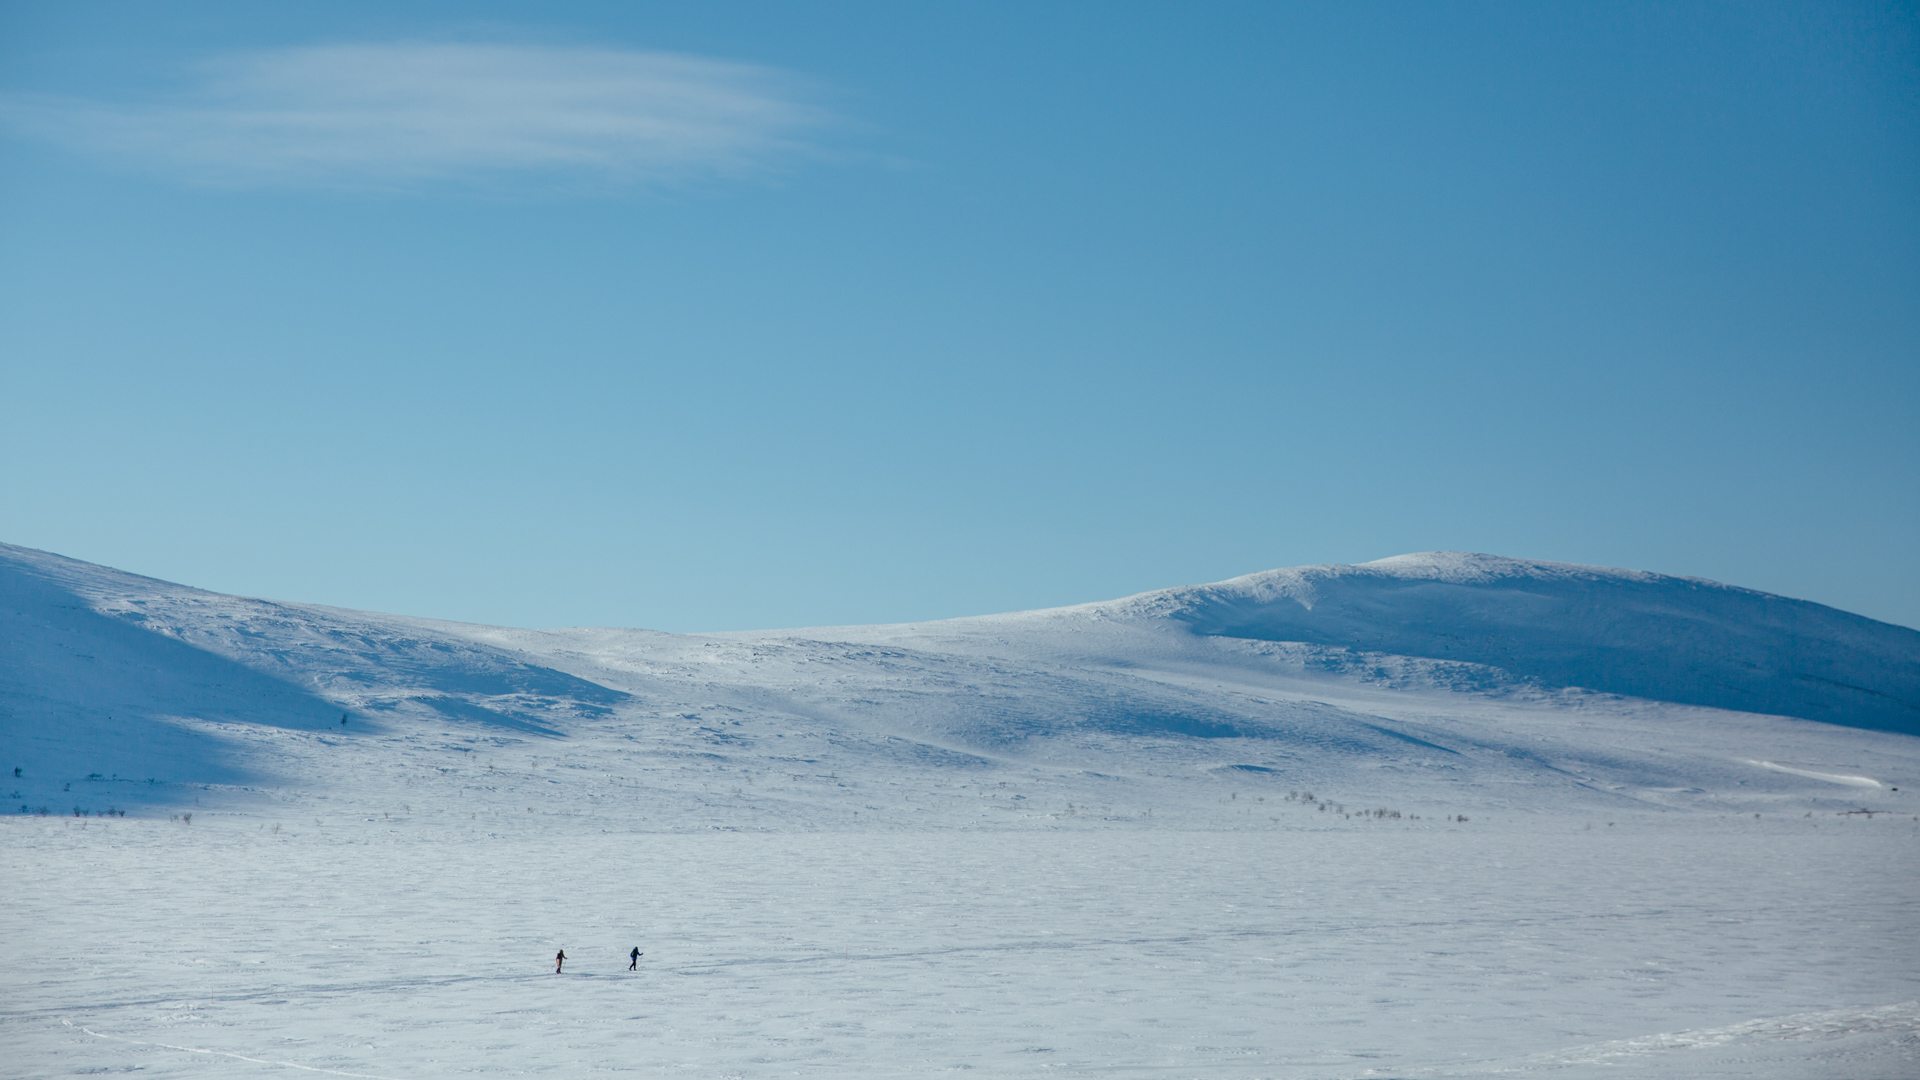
(1438, 680)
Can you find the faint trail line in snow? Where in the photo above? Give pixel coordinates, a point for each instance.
(280, 991)
(1049, 945)
(1848, 779)
(228, 1053)
(1028, 945)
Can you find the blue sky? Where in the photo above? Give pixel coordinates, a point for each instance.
(727, 315)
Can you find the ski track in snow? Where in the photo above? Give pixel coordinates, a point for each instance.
(851, 957)
(228, 1054)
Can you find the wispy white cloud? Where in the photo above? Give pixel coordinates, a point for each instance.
(410, 116)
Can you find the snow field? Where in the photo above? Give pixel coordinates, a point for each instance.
(1073, 842)
(1669, 947)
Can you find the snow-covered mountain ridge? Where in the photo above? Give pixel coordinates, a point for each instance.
(1433, 680)
(1685, 640)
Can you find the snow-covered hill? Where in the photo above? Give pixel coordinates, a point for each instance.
(1665, 638)
(1438, 816)
(1430, 683)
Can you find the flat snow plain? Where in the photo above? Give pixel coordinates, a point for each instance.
(1654, 947)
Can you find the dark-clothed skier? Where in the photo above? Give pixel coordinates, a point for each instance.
(559, 959)
(633, 959)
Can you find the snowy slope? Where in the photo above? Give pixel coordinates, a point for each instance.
(1437, 682)
(1402, 819)
(1647, 635)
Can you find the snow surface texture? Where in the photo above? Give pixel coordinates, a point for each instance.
(1213, 831)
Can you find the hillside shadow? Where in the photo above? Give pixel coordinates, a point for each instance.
(121, 701)
(83, 693)
(1666, 639)
(452, 673)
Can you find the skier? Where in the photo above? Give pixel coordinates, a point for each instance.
(633, 959)
(559, 959)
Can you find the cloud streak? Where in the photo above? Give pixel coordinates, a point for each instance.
(412, 116)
